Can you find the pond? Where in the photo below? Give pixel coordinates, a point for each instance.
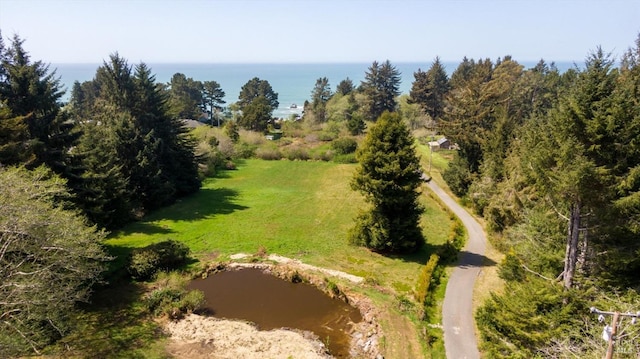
(270, 302)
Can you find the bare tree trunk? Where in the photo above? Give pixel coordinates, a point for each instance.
(571, 254)
(583, 267)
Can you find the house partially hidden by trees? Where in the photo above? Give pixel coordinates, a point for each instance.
(440, 144)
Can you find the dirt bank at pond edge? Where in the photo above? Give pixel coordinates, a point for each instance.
(205, 337)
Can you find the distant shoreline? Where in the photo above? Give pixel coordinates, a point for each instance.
(292, 81)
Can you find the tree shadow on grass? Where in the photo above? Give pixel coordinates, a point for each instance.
(112, 325)
(448, 256)
(205, 203)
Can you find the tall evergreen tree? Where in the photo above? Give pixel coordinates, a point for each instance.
(212, 99)
(467, 120)
(185, 97)
(355, 121)
(115, 82)
(319, 97)
(381, 86)
(254, 89)
(345, 87)
(128, 119)
(570, 157)
(256, 115)
(32, 93)
(388, 176)
(430, 88)
(104, 192)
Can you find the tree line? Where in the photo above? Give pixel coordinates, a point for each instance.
(550, 160)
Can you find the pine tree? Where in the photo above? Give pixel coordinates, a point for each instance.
(355, 121)
(103, 192)
(430, 88)
(381, 86)
(212, 98)
(345, 87)
(32, 93)
(155, 156)
(256, 115)
(254, 89)
(185, 97)
(319, 97)
(388, 176)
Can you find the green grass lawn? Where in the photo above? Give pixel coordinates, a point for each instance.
(298, 209)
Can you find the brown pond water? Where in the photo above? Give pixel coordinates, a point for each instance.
(271, 303)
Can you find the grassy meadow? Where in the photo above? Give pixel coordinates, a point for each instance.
(298, 209)
(302, 210)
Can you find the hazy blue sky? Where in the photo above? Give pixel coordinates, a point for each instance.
(257, 31)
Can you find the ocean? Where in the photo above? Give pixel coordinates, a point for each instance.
(292, 82)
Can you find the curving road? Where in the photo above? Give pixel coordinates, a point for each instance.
(457, 310)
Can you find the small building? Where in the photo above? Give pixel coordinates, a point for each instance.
(441, 144)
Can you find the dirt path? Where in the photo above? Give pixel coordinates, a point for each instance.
(284, 260)
(457, 310)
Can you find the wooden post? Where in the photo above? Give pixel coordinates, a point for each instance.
(430, 154)
(612, 338)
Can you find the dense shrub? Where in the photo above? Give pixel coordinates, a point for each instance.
(323, 155)
(147, 261)
(458, 176)
(425, 281)
(268, 153)
(174, 303)
(245, 149)
(344, 145)
(296, 153)
(327, 136)
(293, 129)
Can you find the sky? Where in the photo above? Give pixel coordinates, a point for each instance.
(326, 31)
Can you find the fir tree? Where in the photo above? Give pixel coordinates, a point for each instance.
(32, 93)
(388, 176)
(429, 89)
(381, 86)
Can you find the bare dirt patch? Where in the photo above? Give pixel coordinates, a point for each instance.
(205, 337)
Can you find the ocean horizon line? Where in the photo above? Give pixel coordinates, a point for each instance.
(429, 62)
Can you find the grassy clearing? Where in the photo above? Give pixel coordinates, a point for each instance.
(297, 209)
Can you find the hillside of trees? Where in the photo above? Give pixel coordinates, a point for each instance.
(551, 161)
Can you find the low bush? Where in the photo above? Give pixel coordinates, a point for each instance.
(327, 136)
(245, 150)
(425, 280)
(323, 155)
(296, 153)
(344, 145)
(165, 255)
(174, 303)
(268, 153)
